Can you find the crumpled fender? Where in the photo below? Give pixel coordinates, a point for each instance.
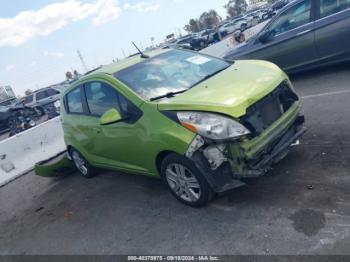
(55, 167)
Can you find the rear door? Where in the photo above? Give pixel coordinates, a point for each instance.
(292, 37)
(333, 30)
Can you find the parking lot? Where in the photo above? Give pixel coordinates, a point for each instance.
(301, 207)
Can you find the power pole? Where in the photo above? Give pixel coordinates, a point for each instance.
(85, 68)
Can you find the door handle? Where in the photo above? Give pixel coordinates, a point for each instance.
(304, 32)
(97, 130)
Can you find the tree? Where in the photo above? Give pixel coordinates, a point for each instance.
(209, 19)
(236, 7)
(206, 20)
(193, 26)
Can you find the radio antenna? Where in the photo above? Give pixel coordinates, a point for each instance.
(141, 53)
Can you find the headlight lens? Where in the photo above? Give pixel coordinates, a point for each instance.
(213, 126)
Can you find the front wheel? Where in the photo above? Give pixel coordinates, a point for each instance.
(83, 166)
(185, 181)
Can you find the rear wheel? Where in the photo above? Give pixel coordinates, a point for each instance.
(83, 166)
(185, 181)
(202, 44)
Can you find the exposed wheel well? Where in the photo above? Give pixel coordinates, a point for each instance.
(69, 148)
(160, 158)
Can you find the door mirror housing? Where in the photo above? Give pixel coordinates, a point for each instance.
(265, 37)
(110, 117)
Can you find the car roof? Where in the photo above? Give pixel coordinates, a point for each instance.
(127, 62)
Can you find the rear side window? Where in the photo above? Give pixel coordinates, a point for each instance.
(329, 7)
(101, 97)
(52, 92)
(74, 101)
(41, 95)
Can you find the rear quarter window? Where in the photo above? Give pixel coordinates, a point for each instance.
(74, 101)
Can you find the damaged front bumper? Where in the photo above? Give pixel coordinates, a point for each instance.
(225, 164)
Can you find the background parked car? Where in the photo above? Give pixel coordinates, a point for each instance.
(229, 28)
(303, 35)
(252, 19)
(262, 14)
(203, 39)
(9, 102)
(16, 118)
(44, 100)
(241, 23)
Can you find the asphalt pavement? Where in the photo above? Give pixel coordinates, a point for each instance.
(301, 207)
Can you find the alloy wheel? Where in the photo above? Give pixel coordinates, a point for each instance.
(80, 163)
(183, 183)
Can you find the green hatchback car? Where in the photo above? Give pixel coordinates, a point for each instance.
(200, 123)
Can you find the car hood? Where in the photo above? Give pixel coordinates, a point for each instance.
(230, 92)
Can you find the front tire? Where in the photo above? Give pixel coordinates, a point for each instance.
(83, 166)
(186, 183)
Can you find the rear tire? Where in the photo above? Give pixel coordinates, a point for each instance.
(83, 166)
(186, 183)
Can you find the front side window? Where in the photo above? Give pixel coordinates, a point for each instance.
(101, 97)
(172, 71)
(329, 7)
(74, 101)
(293, 17)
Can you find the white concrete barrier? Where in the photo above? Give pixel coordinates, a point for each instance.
(19, 154)
(219, 49)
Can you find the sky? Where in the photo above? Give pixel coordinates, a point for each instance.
(39, 39)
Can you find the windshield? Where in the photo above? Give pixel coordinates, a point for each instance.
(172, 71)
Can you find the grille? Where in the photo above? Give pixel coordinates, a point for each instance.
(269, 109)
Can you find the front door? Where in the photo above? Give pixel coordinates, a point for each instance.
(291, 43)
(118, 144)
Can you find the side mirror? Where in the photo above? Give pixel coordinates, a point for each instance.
(265, 37)
(110, 117)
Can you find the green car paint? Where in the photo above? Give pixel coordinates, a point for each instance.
(232, 91)
(61, 166)
(137, 145)
(140, 146)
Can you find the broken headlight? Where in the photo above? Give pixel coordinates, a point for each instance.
(212, 126)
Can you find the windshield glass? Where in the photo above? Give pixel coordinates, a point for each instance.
(172, 71)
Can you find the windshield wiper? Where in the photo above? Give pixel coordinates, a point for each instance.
(168, 95)
(209, 76)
